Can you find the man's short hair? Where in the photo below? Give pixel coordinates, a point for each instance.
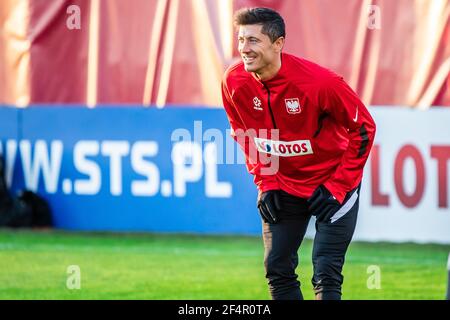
(271, 21)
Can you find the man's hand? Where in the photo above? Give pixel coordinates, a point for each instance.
(269, 205)
(323, 204)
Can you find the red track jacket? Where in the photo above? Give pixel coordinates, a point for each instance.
(324, 135)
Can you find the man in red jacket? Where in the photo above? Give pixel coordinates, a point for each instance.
(306, 137)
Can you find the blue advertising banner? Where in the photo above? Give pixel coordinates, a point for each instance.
(131, 169)
(177, 170)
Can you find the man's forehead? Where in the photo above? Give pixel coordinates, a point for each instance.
(251, 30)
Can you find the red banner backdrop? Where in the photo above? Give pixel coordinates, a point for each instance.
(170, 52)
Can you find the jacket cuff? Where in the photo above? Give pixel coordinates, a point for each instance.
(339, 195)
(267, 185)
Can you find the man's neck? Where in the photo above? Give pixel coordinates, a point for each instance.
(270, 71)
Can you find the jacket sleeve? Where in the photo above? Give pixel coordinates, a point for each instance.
(264, 182)
(342, 104)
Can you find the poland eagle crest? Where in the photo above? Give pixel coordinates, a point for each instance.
(293, 105)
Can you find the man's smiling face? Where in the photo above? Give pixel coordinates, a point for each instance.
(257, 51)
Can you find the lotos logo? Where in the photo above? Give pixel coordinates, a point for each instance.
(293, 105)
(284, 148)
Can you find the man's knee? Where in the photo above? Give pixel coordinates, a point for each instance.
(281, 277)
(278, 266)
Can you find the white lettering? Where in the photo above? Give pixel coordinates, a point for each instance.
(374, 18)
(40, 161)
(184, 153)
(214, 188)
(9, 159)
(90, 168)
(284, 148)
(74, 20)
(374, 280)
(74, 278)
(115, 150)
(150, 186)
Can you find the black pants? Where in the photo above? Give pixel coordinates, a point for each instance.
(282, 241)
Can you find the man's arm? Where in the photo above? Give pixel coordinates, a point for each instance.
(238, 132)
(342, 103)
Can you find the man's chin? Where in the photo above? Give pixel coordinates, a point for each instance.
(250, 68)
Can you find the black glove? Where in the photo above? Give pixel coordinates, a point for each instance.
(269, 205)
(323, 204)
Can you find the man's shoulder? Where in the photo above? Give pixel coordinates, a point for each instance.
(309, 72)
(235, 74)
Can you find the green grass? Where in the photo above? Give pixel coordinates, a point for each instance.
(33, 265)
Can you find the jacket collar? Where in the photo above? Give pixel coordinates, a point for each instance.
(277, 77)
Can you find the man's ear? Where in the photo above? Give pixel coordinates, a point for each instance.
(279, 44)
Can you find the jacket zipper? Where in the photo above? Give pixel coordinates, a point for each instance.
(270, 108)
